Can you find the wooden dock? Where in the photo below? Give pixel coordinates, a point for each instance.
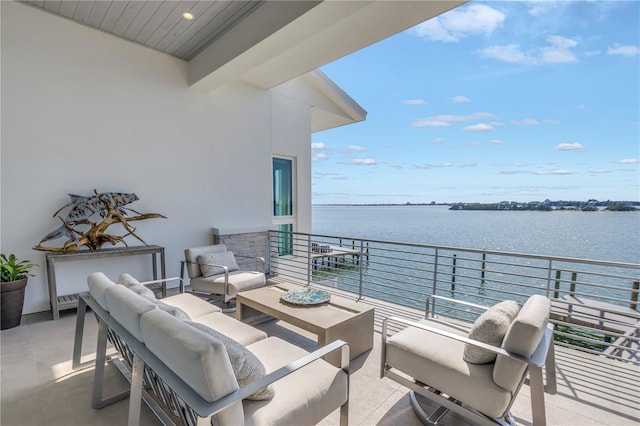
(331, 255)
(595, 314)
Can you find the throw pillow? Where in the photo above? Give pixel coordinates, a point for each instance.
(174, 310)
(246, 366)
(134, 285)
(225, 258)
(490, 328)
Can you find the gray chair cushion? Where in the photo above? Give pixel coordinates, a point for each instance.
(226, 258)
(191, 256)
(246, 367)
(490, 328)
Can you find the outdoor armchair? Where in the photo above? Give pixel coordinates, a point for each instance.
(213, 270)
(456, 368)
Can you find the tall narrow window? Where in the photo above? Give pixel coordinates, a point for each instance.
(283, 214)
(282, 187)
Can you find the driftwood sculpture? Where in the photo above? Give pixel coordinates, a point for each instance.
(109, 206)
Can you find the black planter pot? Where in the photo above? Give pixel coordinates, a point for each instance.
(11, 303)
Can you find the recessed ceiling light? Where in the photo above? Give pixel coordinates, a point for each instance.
(187, 15)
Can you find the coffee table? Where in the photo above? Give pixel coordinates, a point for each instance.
(338, 319)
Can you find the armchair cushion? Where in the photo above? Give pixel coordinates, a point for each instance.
(523, 338)
(436, 360)
(191, 257)
(246, 366)
(225, 258)
(490, 328)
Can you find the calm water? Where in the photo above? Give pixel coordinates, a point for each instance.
(613, 236)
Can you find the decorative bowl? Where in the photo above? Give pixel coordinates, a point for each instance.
(306, 296)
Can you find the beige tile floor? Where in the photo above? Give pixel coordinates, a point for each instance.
(38, 387)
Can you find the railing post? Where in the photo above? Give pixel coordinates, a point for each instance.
(269, 251)
(453, 273)
(556, 286)
(360, 270)
(309, 261)
(634, 295)
(572, 288)
(484, 259)
(435, 281)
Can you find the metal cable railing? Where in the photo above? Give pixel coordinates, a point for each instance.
(594, 303)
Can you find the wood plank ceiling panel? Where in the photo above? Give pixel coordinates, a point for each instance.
(156, 24)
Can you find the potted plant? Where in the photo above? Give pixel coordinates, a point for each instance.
(13, 280)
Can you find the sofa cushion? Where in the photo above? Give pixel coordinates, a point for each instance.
(436, 360)
(173, 310)
(225, 258)
(197, 358)
(523, 337)
(192, 305)
(246, 367)
(98, 284)
(127, 308)
(134, 285)
(490, 328)
(304, 397)
(237, 330)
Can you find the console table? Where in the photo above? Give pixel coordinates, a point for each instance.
(69, 301)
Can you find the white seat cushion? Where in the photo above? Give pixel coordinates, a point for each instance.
(207, 263)
(437, 361)
(238, 281)
(192, 305)
(237, 330)
(304, 397)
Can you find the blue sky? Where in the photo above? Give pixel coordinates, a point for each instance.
(492, 101)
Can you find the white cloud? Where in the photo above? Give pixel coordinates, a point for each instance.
(557, 51)
(526, 122)
(319, 151)
(480, 127)
(355, 148)
(496, 142)
(446, 120)
(619, 49)
(628, 161)
(570, 147)
(554, 172)
(472, 144)
(459, 99)
(414, 102)
(460, 23)
(433, 166)
(600, 171)
(363, 161)
(438, 140)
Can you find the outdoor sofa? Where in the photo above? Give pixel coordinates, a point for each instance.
(195, 365)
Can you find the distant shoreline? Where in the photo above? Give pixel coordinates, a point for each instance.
(591, 205)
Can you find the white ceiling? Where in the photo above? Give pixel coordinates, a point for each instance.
(263, 43)
(157, 24)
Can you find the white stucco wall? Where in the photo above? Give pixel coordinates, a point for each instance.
(82, 110)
